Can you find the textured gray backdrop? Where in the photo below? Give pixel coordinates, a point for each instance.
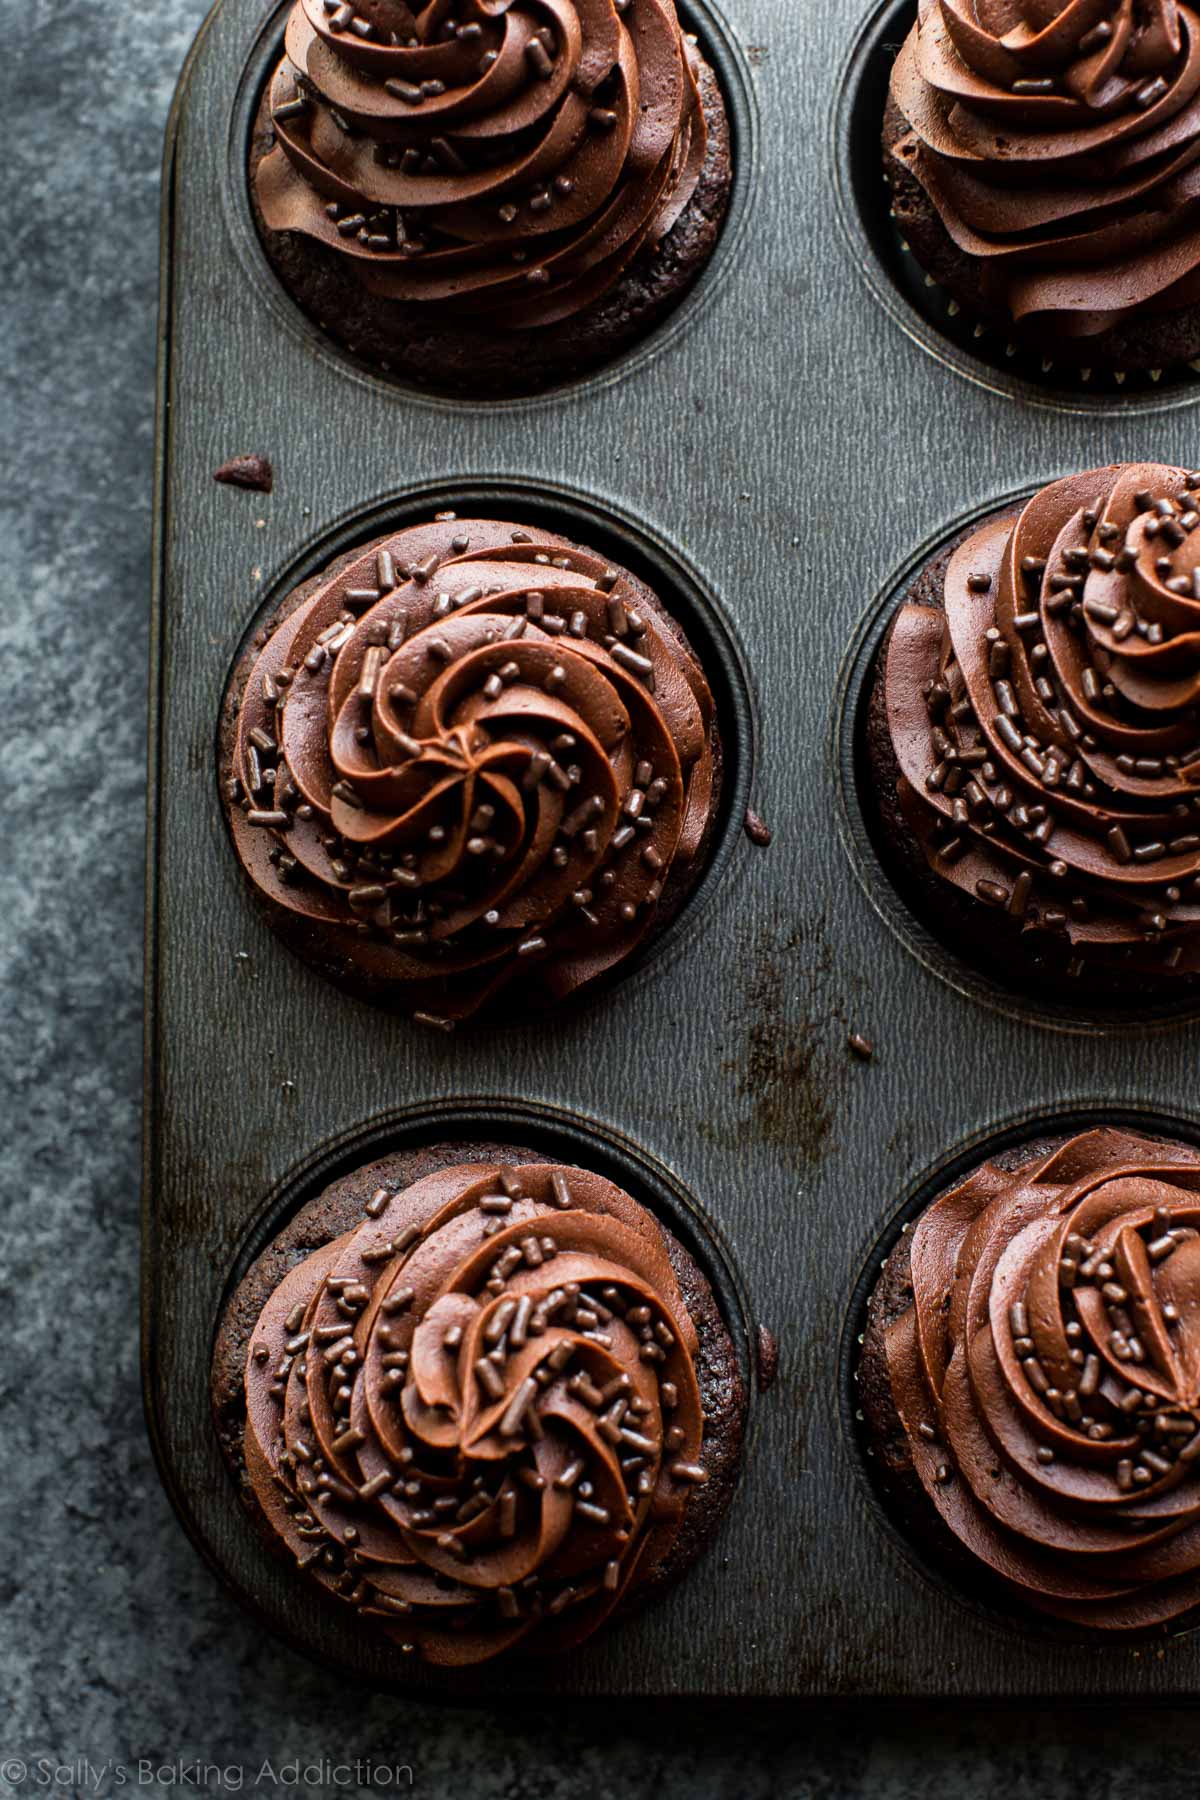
(118, 1645)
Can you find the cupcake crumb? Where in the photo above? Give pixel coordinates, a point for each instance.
(247, 472)
(768, 1357)
(756, 829)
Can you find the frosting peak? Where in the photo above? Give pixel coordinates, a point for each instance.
(505, 159)
(1047, 1375)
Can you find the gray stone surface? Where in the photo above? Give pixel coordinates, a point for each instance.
(117, 1644)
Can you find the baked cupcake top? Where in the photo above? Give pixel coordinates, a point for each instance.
(1047, 1375)
(471, 753)
(475, 1418)
(504, 159)
(1044, 717)
(1058, 141)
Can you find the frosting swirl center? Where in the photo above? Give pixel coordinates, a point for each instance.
(475, 749)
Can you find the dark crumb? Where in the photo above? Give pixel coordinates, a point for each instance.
(247, 472)
(861, 1046)
(756, 829)
(768, 1358)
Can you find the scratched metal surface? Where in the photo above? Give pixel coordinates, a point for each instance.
(786, 444)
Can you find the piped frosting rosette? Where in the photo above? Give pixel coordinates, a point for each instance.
(498, 158)
(1045, 718)
(1047, 1375)
(474, 751)
(475, 1418)
(1059, 143)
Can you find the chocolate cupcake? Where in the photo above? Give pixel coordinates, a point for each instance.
(492, 199)
(1033, 740)
(470, 769)
(484, 1405)
(1044, 162)
(1030, 1381)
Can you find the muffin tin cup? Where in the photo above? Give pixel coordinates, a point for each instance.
(989, 1604)
(665, 571)
(291, 1607)
(979, 351)
(772, 453)
(874, 861)
(723, 55)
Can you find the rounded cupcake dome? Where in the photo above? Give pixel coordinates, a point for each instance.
(480, 1411)
(454, 186)
(1044, 166)
(1031, 1379)
(1036, 739)
(473, 765)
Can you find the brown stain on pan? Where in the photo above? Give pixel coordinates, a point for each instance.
(785, 1053)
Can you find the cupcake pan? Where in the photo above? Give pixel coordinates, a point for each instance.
(772, 457)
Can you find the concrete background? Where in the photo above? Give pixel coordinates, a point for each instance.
(118, 1646)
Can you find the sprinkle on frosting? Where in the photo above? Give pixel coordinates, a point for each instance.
(452, 761)
(475, 1418)
(1045, 719)
(505, 159)
(1047, 1375)
(1059, 143)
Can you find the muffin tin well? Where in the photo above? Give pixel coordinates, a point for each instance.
(312, 1625)
(665, 570)
(917, 304)
(989, 1605)
(875, 867)
(777, 449)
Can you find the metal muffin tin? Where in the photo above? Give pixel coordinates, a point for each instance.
(772, 457)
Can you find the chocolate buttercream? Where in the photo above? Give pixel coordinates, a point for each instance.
(1059, 143)
(503, 160)
(1047, 1376)
(474, 751)
(1045, 719)
(475, 1418)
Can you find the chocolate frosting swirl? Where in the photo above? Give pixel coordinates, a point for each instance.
(1059, 142)
(476, 1418)
(503, 159)
(472, 750)
(1045, 719)
(1047, 1375)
